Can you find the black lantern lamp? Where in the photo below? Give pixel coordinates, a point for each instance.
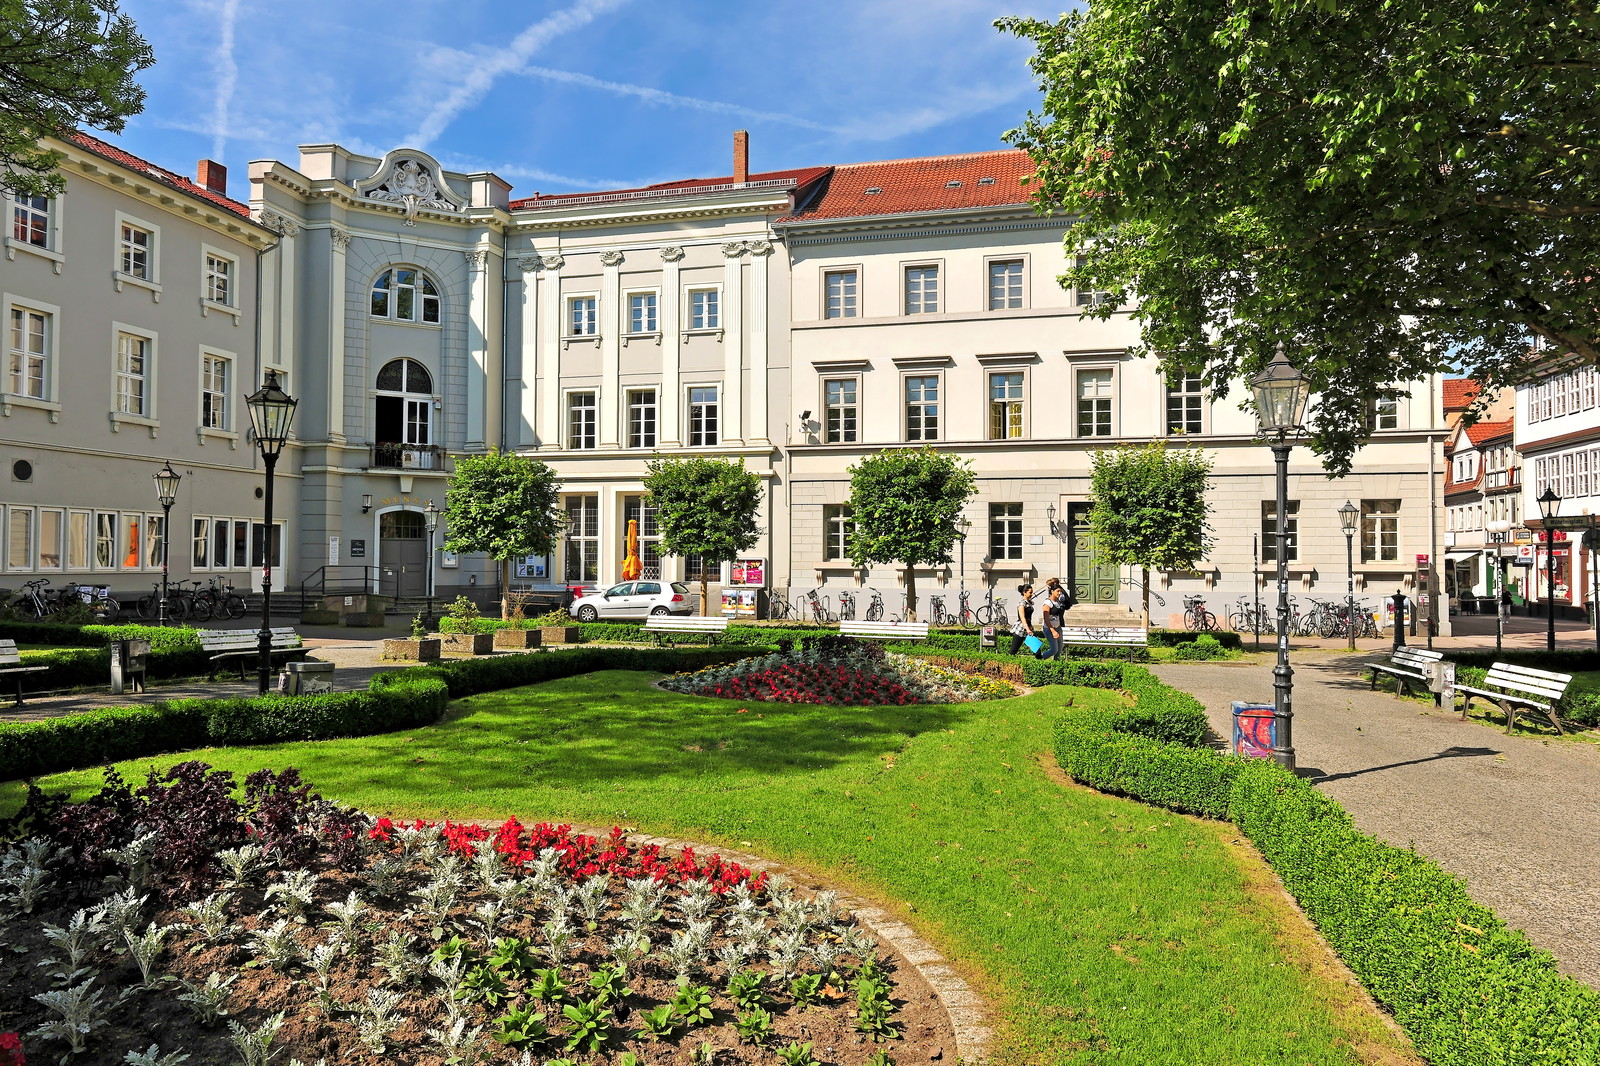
(430, 522)
(1549, 508)
(1349, 516)
(166, 480)
(271, 412)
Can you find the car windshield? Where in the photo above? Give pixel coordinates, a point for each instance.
(620, 590)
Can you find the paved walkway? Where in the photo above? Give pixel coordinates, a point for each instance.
(1513, 815)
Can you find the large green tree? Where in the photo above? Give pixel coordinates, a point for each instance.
(64, 64)
(704, 507)
(1390, 187)
(1150, 507)
(905, 503)
(505, 506)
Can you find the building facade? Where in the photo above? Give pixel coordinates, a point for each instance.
(1558, 436)
(1483, 507)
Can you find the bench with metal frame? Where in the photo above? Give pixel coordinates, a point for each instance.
(1133, 638)
(664, 626)
(863, 630)
(1513, 686)
(244, 645)
(11, 663)
(1409, 667)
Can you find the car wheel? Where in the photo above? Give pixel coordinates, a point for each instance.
(587, 613)
(659, 610)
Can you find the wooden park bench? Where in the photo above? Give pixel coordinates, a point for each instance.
(884, 630)
(11, 663)
(244, 646)
(1133, 638)
(1409, 667)
(1513, 687)
(664, 626)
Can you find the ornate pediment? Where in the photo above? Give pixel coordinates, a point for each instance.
(413, 180)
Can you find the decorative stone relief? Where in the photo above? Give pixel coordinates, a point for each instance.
(733, 249)
(412, 180)
(282, 225)
(758, 247)
(528, 263)
(340, 238)
(610, 259)
(671, 253)
(553, 262)
(476, 258)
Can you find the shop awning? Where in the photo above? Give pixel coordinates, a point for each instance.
(1463, 556)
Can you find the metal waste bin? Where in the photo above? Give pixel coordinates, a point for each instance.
(128, 659)
(1255, 730)
(986, 637)
(307, 678)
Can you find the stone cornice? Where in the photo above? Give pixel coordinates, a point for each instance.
(162, 197)
(342, 193)
(644, 212)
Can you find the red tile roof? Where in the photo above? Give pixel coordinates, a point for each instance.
(1487, 431)
(1459, 393)
(161, 174)
(906, 186)
(799, 177)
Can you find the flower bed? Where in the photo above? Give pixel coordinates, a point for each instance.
(839, 672)
(278, 926)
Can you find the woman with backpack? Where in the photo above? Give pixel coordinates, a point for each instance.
(1022, 628)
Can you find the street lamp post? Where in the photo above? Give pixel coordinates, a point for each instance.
(1281, 393)
(271, 412)
(1549, 507)
(963, 524)
(430, 522)
(166, 480)
(1349, 514)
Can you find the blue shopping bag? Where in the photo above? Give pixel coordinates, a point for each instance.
(1033, 644)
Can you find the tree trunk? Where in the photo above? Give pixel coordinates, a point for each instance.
(911, 594)
(505, 589)
(1146, 571)
(705, 594)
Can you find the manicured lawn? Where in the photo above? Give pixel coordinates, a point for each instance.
(1106, 932)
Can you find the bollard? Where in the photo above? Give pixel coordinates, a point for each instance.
(1399, 602)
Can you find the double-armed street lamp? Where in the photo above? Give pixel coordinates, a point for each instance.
(1281, 393)
(271, 412)
(1349, 515)
(166, 480)
(1549, 508)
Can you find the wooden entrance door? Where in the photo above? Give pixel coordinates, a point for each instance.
(403, 550)
(1093, 579)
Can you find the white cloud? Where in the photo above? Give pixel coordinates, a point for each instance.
(661, 96)
(226, 68)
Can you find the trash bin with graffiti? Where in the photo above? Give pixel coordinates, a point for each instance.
(1255, 730)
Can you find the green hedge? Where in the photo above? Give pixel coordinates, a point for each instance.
(468, 677)
(1465, 988)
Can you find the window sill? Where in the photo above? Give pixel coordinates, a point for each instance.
(710, 331)
(566, 342)
(1007, 566)
(119, 419)
(648, 335)
(401, 322)
(10, 400)
(13, 246)
(204, 434)
(119, 279)
(208, 306)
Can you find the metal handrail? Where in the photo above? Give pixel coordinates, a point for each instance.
(370, 581)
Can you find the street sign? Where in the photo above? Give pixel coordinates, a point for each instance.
(1522, 535)
(1524, 554)
(1422, 562)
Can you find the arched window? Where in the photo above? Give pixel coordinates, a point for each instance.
(405, 294)
(404, 375)
(403, 410)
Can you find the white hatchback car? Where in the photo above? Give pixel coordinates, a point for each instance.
(634, 599)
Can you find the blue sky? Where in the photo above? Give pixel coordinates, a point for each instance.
(566, 95)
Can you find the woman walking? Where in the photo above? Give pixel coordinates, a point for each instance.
(1054, 613)
(1022, 629)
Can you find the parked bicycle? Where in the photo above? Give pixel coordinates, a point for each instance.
(821, 611)
(1195, 615)
(779, 609)
(875, 608)
(847, 606)
(941, 615)
(1250, 617)
(993, 610)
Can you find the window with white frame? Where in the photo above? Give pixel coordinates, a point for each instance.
(19, 538)
(1186, 404)
(1005, 405)
(1269, 531)
(642, 312)
(642, 418)
(402, 410)
(1094, 402)
(153, 537)
(838, 526)
(28, 357)
(922, 290)
(136, 246)
(634, 508)
(582, 420)
(129, 546)
(1380, 531)
(133, 375)
(840, 293)
(1005, 284)
(105, 541)
(51, 534)
(30, 220)
(219, 543)
(922, 407)
(1384, 413)
(214, 374)
(200, 545)
(583, 319)
(78, 540)
(1086, 295)
(705, 310)
(218, 279)
(1005, 531)
(839, 410)
(703, 416)
(582, 562)
(406, 294)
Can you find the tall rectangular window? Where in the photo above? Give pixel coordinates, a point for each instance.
(1384, 413)
(642, 418)
(838, 526)
(642, 312)
(133, 368)
(635, 509)
(135, 249)
(1094, 403)
(839, 410)
(30, 349)
(839, 288)
(1005, 406)
(922, 407)
(19, 538)
(200, 549)
(703, 417)
(154, 534)
(922, 290)
(241, 544)
(214, 392)
(50, 536)
(222, 544)
(1005, 531)
(219, 279)
(77, 540)
(1380, 531)
(704, 310)
(1186, 404)
(130, 545)
(582, 420)
(105, 541)
(582, 317)
(1088, 295)
(1005, 284)
(582, 562)
(1269, 531)
(30, 220)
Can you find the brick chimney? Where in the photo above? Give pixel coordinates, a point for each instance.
(741, 156)
(213, 176)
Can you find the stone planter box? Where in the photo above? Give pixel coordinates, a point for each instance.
(559, 634)
(467, 643)
(516, 639)
(424, 650)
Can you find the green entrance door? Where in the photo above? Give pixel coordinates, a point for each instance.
(1093, 579)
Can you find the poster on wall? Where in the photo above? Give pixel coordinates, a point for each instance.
(747, 573)
(448, 558)
(739, 603)
(533, 567)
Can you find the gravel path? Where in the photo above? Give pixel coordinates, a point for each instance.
(1513, 815)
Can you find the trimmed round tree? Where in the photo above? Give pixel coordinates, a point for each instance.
(905, 503)
(704, 507)
(505, 506)
(1150, 507)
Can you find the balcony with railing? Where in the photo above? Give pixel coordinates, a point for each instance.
(409, 457)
